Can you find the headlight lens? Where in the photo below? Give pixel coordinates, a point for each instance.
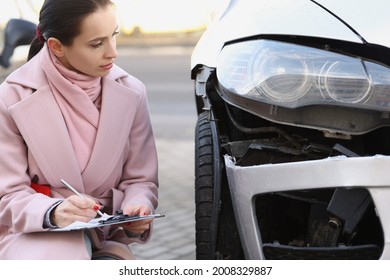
(293, 76)
(269, 73)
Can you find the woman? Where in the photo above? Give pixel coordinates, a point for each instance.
(70, 113)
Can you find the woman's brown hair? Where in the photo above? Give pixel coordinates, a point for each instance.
(62, 20)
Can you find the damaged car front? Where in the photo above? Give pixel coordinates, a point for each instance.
(293, 131)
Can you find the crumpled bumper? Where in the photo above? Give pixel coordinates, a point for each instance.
(372, 173)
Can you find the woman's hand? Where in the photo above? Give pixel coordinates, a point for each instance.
(137, 227)
(74, 208)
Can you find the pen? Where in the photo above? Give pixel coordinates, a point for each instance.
(76, 192)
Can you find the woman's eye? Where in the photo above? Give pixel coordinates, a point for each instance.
(97, 45)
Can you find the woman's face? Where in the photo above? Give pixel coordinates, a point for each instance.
(94, 50)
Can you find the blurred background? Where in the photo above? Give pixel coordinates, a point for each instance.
(143, 16)
(136, 18)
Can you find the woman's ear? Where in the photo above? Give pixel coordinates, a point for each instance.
(55, 46)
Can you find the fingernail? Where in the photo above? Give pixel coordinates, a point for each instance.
(96, 207)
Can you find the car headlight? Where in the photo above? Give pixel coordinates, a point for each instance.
(293, 76)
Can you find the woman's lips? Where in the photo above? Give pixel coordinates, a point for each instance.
(107, 66)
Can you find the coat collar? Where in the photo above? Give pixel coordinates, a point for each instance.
(43, 128)
(119, 107)
(30, 75)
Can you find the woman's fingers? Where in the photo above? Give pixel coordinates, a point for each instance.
(72, 209)
(138, 227)
(141, 210)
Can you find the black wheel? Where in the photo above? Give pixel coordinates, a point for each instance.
(216, 232)
(203, 186)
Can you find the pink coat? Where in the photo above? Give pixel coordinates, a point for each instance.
(34, 142)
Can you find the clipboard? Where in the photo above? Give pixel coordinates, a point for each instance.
(107, 220)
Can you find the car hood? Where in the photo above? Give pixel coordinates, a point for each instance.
(347, 20)
(367, 18)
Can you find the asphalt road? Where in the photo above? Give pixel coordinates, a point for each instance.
(165, 70)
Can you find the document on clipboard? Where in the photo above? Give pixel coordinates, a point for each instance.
(107, 220)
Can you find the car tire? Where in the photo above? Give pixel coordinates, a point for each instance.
(203, 186)
(216, 232)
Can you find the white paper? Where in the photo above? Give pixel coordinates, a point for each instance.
(95, 222)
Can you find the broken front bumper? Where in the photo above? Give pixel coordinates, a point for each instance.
(245, 183)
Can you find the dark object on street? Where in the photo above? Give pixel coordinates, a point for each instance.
(18, 32)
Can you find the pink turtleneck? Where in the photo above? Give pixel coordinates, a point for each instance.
(79, 98)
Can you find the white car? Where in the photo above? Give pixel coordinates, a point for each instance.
(293, 133)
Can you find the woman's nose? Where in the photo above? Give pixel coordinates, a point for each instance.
(111, 51)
